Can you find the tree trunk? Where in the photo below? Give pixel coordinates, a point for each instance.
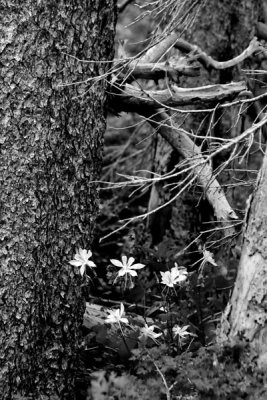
(50, 149)
(245, 317)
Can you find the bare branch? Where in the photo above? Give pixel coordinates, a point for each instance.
(209, 62)
(131, 98)
(181, 142)
(155, 53)
(160, 71)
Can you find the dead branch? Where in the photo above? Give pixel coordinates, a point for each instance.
(209, 62)
(131, 98)
(181, 142)
(160, 48)
(160, 71)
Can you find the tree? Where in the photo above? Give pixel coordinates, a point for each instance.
(245, 316)
(52, 124)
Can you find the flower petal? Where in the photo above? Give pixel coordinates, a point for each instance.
(124, 260)
(82, 269)
(132, 272)
(137, 266)
(130, 261)
(83, 253)
(117, 263)
(122, 272)
(75, 263)
(91, 264)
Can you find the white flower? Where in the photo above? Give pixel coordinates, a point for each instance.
(181, 331)
(116, 316)
(148, 332)
(208, 257)
(174, 276)
(127, 267)
(81, 259)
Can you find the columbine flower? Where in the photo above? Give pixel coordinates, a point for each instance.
(174, 276)
(208, 257)
(116, 316)
(127, 267)
(148, 332)
(181, 331)
(81, 259)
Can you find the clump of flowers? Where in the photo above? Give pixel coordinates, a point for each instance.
(174, 276)
(81, 259)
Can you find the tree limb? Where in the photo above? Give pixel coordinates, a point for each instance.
(131, 98)
(160, 71)
(160, 48)
(209, 62)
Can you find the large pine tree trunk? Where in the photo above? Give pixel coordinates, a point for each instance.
(246, 316)
(50, 150)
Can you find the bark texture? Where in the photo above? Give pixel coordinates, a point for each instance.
(246, 315)
(51, 131)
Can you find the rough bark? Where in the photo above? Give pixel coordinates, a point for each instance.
(246, 316)
(50, 150)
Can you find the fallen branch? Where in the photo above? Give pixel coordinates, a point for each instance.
(131, 98)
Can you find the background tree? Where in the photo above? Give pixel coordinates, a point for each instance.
(52, 127)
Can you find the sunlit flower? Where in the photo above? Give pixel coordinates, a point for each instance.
(81, 259)
(148, 332)
(116, 316)
(181, 332)
(208, 257)
(127, 266)
(174, 276)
